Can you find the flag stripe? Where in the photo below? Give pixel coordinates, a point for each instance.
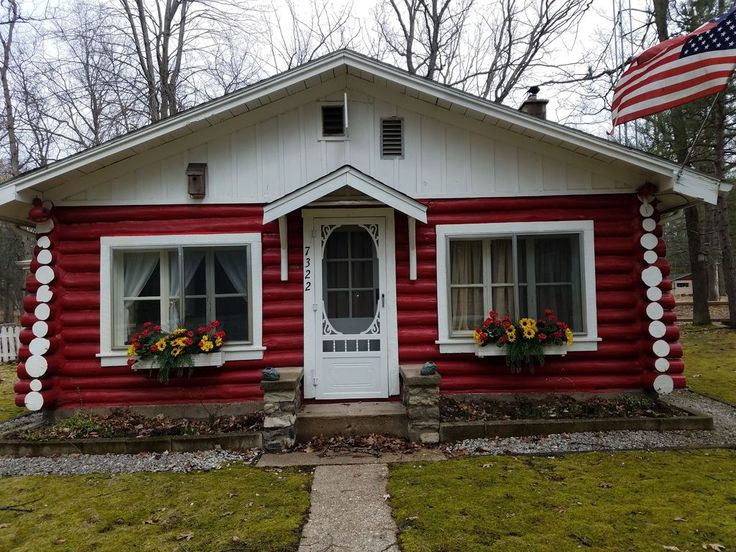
(663, 103)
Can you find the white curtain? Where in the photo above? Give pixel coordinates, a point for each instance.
(235, 265)
(137, 271)
(191, 262)
(466, 268)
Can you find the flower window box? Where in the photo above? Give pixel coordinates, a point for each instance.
(211, 360)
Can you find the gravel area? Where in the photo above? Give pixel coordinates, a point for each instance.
(82, 464)
(723, 435)
(21, 422)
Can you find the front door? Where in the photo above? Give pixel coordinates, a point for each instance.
(349, 327)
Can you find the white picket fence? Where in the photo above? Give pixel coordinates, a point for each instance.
(9, 343)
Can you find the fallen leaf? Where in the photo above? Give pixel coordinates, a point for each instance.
(714, 546)
(605, 485)
(59, 541)
(386, 496)
(225, 514)
(235, 538)
(679, 519)
(149, 522)
(4, 525)
(185, 536)
(671, 548)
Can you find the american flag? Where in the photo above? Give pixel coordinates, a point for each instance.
(678, 70)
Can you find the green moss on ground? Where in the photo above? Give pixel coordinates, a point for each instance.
(710, 361)
(8, 378)
(637, 501)
(236, 509)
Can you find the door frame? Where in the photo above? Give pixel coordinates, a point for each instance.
(309, 245)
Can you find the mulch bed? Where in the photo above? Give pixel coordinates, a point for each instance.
(368, 445)
(123, 423)
(555, 407)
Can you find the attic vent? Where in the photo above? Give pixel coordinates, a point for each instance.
(392, 137)
(333, 120)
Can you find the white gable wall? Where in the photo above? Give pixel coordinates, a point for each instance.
(447, 155)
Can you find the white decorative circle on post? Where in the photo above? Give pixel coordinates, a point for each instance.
(662, 364)
(36, 366)
(663, 384)
(655, 311)
(42, 311)
(40, 328)
(661, 348)
(45, 274)
(648, 241)
(648, 224)
(39, 346)
(44, 294)
(657, 329)
(36, 385)
(654, 294)
(651, 276)
(646, 210)
(43, 242)
(44, 257)
(34, 401)
(45, 227)
(650, 257)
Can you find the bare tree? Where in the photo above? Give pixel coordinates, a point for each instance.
(11, 16)
(296, 36)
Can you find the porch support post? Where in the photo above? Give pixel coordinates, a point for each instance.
(284, 248)
(421, 397)
(281, 402)
(412, 248)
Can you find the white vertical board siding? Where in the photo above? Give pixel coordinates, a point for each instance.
(446, 154)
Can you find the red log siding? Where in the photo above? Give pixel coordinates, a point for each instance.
(75, 378)
(78, 378)
(624, 355)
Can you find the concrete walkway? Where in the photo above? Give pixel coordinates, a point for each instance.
(349, 511)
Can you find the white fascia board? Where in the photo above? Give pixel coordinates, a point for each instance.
(346, 176)
(698, 186)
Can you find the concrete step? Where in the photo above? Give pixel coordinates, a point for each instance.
(352, 418)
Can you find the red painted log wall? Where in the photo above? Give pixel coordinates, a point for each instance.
(79, 380)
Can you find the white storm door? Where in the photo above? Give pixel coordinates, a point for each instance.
(350, 316)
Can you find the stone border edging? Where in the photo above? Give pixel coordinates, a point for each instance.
(457, 431)
(128, 445)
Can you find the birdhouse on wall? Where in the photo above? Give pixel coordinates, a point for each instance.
(197, 180)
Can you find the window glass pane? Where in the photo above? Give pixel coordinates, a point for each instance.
(554, 259)
(502, 264)
(338, 304)
(361, 245)
(139, 312)
(195, 272)
(467, 308)
(141, 275)
(364, 304)
(337, 245)
(232, 312)
(503, 300)
(466, 262)
(337, 274)
(362, 274)
(560, 299)
(196, 313)
(231, 271)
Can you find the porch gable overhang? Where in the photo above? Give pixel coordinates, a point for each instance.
(346, 175)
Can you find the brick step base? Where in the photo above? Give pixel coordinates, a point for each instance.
(351, 418)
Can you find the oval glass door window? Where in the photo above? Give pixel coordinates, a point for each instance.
(350, 279)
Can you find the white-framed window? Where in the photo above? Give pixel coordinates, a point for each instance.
(519, 269)
(181, 280)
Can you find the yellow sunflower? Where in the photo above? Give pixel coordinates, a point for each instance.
(131, 351)
(529, 333)
(568, 336)
(511, 334)
(161, 344)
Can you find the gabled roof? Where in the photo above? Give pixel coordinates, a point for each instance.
(337, 179)
(25, 187)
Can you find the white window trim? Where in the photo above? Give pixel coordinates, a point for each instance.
(587, 342)
(116, 357)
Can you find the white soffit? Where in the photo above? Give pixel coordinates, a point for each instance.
(344, 176)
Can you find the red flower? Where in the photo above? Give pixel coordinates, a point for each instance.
(215, 323)
(152, 348)
(494, 314)
(483, 336)
(506, 323)
(190, 333)
(145, 333)
(548, 312)
(157, 328)
(502, 339)
(220, 334)
(558, 335)
(552, 318)
(189, 341)
(542, 336)
(147, 324)
(487, 322)
(201, 330)
(131, 361)
(136, 344)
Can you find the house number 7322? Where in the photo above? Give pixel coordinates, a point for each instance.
(307, 269)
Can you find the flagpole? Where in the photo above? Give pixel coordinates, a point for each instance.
(697, 136)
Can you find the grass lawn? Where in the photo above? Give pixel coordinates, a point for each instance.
(7, 395)
(638, 501)
(710, 361)
(236, 508)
